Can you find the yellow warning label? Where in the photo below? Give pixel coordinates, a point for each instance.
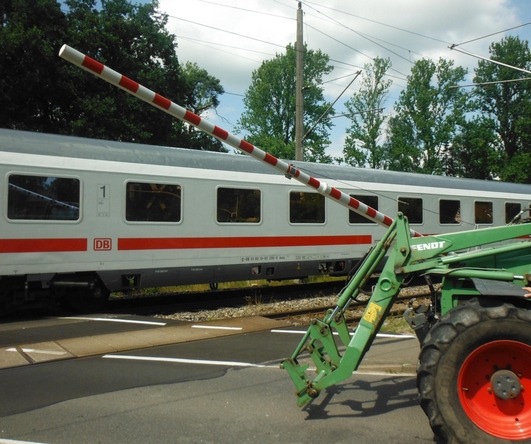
(372, 314)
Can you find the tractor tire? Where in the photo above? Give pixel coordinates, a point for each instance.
(474, 374)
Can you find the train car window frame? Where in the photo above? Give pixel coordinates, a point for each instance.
(413, 214)
(450, 212)
(62, 205)
(238, 205)
(368, 199)
(153, 202)
(483, 212)
(314, 208)
(511, 210)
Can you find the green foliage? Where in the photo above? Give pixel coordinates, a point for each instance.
(439, 128)
(475, 151)
(203, 91)
(508, 103)
(29, 36)
(132, 40)
(41, 92)
(269, 115)
(363, 142)
(428, 115)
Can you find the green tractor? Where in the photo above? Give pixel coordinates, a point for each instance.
(474, 368)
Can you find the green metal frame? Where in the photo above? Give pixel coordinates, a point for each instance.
(447, 255)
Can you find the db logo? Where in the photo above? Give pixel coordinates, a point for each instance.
(102, 244)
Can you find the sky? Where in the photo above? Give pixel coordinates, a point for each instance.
(231, 38)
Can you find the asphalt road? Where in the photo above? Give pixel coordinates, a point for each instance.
(217, 389)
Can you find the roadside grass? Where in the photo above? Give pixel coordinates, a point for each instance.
(205, 288)
(396, 324)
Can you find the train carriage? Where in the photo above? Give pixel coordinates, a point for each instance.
(103, 216)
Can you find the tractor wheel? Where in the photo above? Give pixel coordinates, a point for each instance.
(474, 374)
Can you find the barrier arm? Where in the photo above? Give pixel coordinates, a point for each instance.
(132, 87)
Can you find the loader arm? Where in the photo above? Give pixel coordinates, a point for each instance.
(439, 254)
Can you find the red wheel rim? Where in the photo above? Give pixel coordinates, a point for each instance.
(502, 418)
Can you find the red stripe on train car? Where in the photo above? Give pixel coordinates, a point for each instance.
(179, 243)
(43, 245)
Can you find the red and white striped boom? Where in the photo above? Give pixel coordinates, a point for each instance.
(100, 70)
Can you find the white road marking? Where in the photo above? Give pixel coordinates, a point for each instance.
(216, 327)
(238, 364)
(33, 350)
(185, 361)
(12, 441)
(379, 335)
(395, 336)
(390, 373)
(124, 321)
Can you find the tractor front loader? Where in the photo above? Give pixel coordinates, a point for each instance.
(474, 370)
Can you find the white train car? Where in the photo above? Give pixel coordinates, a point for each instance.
(105, 216)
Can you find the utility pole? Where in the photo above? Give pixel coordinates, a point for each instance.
(299, 100)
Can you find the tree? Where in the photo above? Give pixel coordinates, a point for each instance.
(30, 33)
(362, 144)
(508, 103)
(203, 91)
(428, 115)
(475, 151)
(131, 39)
(269, 114)
(41, 92)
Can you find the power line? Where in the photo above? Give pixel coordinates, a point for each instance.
(350, 47)
(490, 35)
(245, 9)
(489, 60)
(206, 43)
(365, 36)
(224, 30)
(490, 83)
(380, 23)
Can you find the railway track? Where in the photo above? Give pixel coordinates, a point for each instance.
(352, 315)
(298, 305)
(232, 298)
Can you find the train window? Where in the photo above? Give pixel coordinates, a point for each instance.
(411, 207)
(43, 198)
(152, 202)
(355, 218)
(449, 211)
(483, 212)
(238, 205)
(306, 208)
(511, 210)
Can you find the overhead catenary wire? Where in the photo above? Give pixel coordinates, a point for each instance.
(491, 34)
(327, 110)
(496, 62)
(337, 22)
(379, 23)
(496, 82)
(226, 31)
(251, 14)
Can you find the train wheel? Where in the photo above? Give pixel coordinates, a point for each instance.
(474, 375)
(88, 299)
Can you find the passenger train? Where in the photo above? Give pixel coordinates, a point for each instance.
(82, 218)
